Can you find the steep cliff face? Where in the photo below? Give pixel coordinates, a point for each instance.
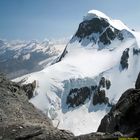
(125, 115)
(137, 84)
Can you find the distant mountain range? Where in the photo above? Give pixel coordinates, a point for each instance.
(18, 58)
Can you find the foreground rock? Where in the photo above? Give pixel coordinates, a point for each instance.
(21, 120)
(124, 116)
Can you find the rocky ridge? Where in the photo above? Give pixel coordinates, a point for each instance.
(19, 119)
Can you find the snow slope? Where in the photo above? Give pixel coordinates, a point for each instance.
(83, 65)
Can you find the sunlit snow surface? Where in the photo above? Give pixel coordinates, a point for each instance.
(84, 67)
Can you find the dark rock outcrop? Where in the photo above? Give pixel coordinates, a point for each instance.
(100, 97)
(108, 84)
(136, 51)
(124, 116)
(101, 26)
(137, 85)
(124, 59)
(78, 97)
(29, 89)
(88, 27)
(104, 83)
(109, 35)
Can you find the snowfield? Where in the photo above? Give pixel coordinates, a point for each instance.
(80, 67)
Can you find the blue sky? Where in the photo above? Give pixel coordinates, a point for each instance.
(39, 19)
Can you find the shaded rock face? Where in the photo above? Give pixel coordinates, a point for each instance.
(78, 97)
(20, 120)
(104, 83)
(109, 35)
(124, 116)
(108, 84)
(98, 30)
(124, 59)
(88, 27)
(137, 85)
(136, 51)
(99, 96)
(29, 89)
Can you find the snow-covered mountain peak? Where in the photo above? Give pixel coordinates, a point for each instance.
(95, 14)
(98, 31)
(118, 24)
